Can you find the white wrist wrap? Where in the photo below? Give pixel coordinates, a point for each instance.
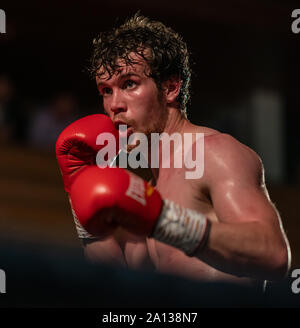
(180, 227)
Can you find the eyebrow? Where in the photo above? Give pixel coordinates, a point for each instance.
(121, 76)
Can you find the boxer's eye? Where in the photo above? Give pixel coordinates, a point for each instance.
(106, 91)
(129, 84)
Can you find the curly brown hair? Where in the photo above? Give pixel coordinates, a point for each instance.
(168, 57)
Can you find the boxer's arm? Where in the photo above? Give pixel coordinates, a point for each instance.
(248, 239)
(105, 249)
(121, 248)
(117, 247)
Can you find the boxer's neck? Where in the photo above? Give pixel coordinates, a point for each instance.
(176, 123)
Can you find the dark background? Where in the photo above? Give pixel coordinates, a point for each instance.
(245, 82)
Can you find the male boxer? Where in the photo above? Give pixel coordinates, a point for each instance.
(222, 226)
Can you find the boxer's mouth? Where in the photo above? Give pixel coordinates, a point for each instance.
(118, 123)
(123, 132)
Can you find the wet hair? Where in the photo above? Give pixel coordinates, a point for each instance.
(161, 47)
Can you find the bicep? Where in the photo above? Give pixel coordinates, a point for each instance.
(234, 201)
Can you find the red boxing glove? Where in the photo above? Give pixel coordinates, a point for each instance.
(108, 197)
(105, 198)
(76, 146)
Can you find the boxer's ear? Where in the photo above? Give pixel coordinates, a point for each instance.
(171, 89)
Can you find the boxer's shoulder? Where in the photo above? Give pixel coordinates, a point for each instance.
(227, 156)
(192, 128)
(216, 142)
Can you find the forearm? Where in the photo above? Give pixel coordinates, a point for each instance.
(104, 251)
(122, 248)
(245, 249)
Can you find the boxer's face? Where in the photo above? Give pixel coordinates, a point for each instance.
(132, 98)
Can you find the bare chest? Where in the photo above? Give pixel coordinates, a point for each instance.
(188, 193)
